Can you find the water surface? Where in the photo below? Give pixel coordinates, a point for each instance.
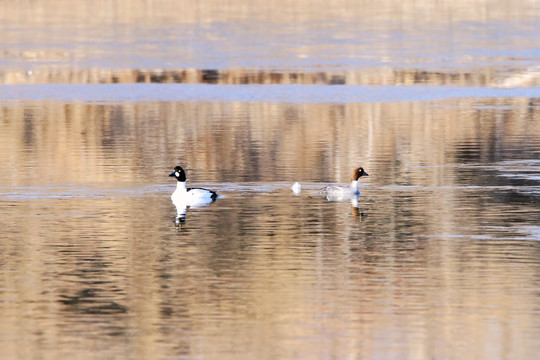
(444, 236)
(437, 258)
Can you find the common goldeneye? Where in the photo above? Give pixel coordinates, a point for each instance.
(337, 193)
(183, 196)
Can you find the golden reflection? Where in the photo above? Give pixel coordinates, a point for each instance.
(260, 271)
(489, 76)
(443, 245)
(254, 141)
(39, 40)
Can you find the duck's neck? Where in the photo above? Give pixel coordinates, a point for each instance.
(181, 186)
(354, 186)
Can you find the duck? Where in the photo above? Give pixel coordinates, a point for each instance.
(184, 197)
(337, 193)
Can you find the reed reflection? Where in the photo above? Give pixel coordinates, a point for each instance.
(448, 201)
(487, 77)
(39, 43)
(262, 142)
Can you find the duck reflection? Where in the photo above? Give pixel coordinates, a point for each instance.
(355, 211)
(181, 210)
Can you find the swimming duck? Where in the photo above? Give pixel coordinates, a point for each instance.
(337, 193)
(184, 196)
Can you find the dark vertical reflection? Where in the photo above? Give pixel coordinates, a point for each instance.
(28, 133)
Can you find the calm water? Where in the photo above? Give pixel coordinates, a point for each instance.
(438, 259)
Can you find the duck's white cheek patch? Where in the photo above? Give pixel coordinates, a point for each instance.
(177, 174)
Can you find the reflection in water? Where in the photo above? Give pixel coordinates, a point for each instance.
(444, 237)
(474, 77)
(370, 76)
(262, 141)
(181, 210)
(268, 42)
(355, 211)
